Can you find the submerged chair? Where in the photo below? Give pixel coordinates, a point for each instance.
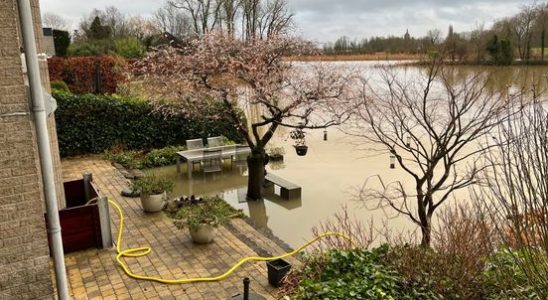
(215, 141)
(194, 144)
(212, 161)
(240, 157)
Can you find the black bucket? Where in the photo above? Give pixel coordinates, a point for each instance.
(277, 269)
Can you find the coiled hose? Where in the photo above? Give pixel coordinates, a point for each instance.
(142, 251)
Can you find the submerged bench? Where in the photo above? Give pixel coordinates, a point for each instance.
(288, 189)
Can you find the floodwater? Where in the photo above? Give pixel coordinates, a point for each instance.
(330, 174)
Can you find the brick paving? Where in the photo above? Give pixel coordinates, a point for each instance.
(94, 274)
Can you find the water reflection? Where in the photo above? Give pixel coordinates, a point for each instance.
(332, 170)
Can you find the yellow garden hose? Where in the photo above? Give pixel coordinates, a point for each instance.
(141, 251)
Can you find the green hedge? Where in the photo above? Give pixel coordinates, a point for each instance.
(93, 124)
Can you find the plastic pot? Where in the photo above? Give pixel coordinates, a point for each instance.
(301, 150)
(277, 269)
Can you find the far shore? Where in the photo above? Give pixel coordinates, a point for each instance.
(359, 57)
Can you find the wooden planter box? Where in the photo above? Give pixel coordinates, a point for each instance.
(84, 226)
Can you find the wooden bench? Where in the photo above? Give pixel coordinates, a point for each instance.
(288, 190)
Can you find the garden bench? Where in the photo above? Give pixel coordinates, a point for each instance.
(288, 190)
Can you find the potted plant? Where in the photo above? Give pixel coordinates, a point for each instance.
(203, 218)
(153, 191)
(276, 153)
(298, 135)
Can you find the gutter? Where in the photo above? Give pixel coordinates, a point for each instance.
(44, 150)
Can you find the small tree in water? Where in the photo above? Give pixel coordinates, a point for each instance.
(432, 127)
(254, 76)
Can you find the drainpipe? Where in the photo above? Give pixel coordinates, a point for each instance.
(44, 151)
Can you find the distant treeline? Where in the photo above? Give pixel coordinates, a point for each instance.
(520, 37)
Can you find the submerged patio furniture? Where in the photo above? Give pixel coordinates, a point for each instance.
(212, 161)
(195, 144)
(216, 141)
(192, 156)
(288, 190)
(240, 157)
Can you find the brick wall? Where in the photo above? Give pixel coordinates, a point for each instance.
(24, 257)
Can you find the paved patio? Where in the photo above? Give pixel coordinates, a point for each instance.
(94, 274)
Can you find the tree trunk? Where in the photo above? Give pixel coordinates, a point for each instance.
(542, 37)
(256, 170)
(426, 230)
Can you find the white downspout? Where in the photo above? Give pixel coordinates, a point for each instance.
(44, 151)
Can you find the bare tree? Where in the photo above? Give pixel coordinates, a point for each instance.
(431, 127)
(171, 19)
(204, 14)
(229, 14)
(141, 27)
(516, 193)
(522, 28)
(54, 21)
(276, 19)
(253, 75)
(250, 18)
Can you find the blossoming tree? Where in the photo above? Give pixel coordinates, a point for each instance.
(258, 75)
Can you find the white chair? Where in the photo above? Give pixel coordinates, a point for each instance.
(212, 161)
(215, 141)
(194, 144)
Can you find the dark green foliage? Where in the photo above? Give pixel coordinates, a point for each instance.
(61, 40)
(91, 48)
(94, 124)
(501, 51)
(60, 86)
(97, 31)
(353, 274)
(506, 279)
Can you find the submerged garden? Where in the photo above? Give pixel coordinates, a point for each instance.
(471, 156)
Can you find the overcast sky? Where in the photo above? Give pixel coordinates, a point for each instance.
(326, 20)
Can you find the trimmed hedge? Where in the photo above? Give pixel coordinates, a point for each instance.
(79, 72)
(93, 124)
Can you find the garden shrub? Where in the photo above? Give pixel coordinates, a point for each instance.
(95, 124)
(79, 73)
(351, 274)
(129, 47)
(505, 278)
(132, 159)
(61, 41)
(59, 86)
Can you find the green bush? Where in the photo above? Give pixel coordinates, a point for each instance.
(129, 47)
(95, 124)
(130, 159)
(161, 157)
(506, 279)
(151, 185)
(352, 274)
(59, 85)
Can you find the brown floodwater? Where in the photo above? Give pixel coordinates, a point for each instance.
(329, 174)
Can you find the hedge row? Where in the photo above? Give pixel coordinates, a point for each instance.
(80, 73)
(94, 124)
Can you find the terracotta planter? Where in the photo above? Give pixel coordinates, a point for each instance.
(204, 234)
(153, 203)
